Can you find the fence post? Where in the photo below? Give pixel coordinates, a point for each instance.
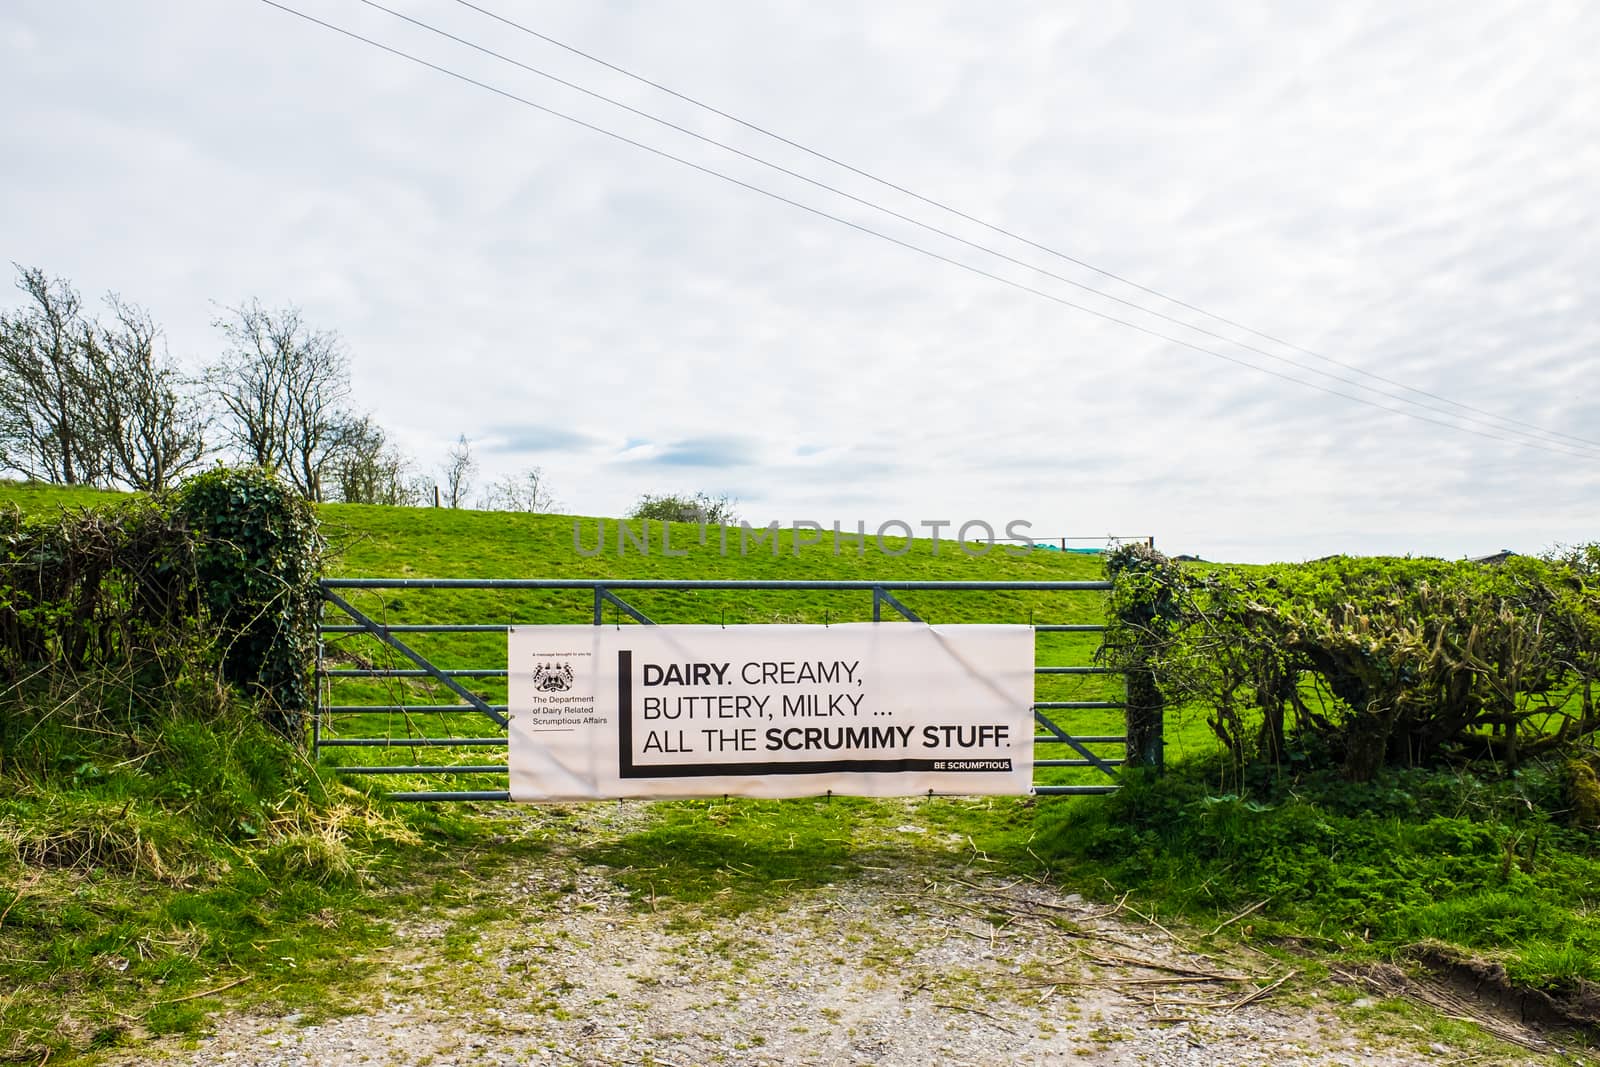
(1140, 616)
(1145, 717)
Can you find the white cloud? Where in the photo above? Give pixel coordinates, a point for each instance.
(1407, 188)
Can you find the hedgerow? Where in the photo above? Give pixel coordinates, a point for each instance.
(217, 580)
(1368, 662)
(257, 557)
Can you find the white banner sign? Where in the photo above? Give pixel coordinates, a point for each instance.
(867, 709)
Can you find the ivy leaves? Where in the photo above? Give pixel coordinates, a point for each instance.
(257, 560)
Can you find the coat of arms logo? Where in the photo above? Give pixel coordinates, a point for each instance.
(552, 678)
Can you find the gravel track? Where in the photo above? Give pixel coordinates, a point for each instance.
(921, 957)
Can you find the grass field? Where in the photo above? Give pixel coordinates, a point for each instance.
(43, 497)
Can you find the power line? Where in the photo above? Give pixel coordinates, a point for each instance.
(906, 244)
(1516, 425)
(506, 94)
(421, 24)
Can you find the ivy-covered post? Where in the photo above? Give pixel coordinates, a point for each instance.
(1142, 616)
(1146, 721)
(257, 559)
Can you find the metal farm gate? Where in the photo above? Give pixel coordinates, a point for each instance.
(379, 683)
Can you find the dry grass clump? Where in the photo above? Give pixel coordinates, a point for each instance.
(331, 845)
(85, 835)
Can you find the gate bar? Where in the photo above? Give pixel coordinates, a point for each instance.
(418, 709)
(602, 595)
(384, 672)
(501, 768)
(433, 768)
(1076, 762)
(502, 627)
(426, 628)
(704, 583)
(1073, 790)
(1076, 705)
(413, 742)
(405, 650)
(505, 794)
(880, 597)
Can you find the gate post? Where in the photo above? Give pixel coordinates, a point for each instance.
(1146, 720)
(1143, 617)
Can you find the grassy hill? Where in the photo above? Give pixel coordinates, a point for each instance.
(41, 496)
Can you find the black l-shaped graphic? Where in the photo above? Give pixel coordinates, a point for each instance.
(627, 769)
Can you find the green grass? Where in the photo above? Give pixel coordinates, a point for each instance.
(44, 497)
(150, 858)
(735, 856)
(1482, 864)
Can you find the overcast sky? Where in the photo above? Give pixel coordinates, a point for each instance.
(1411, 189)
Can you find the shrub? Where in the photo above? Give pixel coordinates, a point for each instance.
(257, 559)
(673, 507)
(140, 599)
(92, 587)
(1366, 662)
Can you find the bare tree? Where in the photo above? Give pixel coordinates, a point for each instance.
(459, 471)
(527, 490)
(84, 403)
(152, 428)
(282, 387)
(369, 469)
(47, 425)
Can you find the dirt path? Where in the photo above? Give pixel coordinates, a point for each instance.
(921, 957)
